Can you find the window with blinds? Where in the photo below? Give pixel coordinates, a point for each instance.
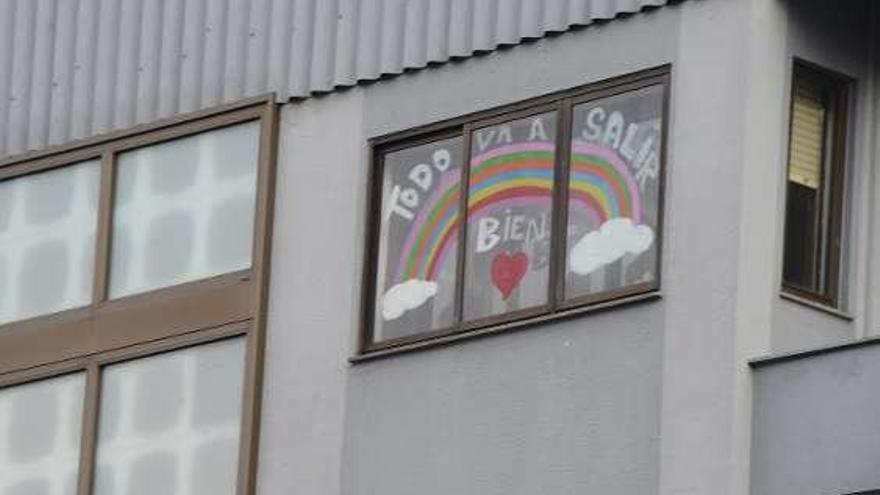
(814, 205)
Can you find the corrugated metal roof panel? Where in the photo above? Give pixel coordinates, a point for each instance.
(75, 68)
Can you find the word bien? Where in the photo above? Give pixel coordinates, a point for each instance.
(491, 231)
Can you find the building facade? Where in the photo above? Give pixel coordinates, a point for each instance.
(475, 247)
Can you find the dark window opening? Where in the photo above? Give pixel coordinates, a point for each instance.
(815, 184)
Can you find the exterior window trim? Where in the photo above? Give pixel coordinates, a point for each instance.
(828, 267)
(557, 306)
(208, 310)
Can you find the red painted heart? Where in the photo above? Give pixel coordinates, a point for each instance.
(508, 270)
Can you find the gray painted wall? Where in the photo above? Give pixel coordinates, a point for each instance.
(837, 37)
(615, 403)
(841, 36)
(654, 398)
(572, 408)
(817, 425)
(566, 408)
(313, 295)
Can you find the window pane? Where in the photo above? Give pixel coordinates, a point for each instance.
(47, 240)
(614, 189)
(805, 164)
(40, 427)
(184, 209)
(509, 216)
(170, 423)
(418, 239)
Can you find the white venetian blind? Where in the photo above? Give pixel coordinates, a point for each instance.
(807, 126)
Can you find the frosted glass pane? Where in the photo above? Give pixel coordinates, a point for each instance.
(47, 240)
(169, 424)
(510, 213)
(184, 210)
(614, 193)
(418, 239)
(40, 426)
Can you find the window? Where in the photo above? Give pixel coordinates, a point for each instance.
(521, 212)
(170, 423)
(47, 240)
(133, 273)
(41, 425)
(815, 184)
(196, 219)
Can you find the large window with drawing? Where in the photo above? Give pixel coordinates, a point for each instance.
(536, 209)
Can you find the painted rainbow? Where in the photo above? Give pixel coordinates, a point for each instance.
(600, 186)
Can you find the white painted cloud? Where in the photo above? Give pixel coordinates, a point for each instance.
(406, 296)
(614, 239)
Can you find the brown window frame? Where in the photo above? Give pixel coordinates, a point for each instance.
(558, 306)
(827, 267)
(226, 306)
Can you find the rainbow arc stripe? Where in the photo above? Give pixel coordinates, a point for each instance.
(600, 186)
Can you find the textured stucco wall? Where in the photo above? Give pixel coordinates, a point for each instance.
(836, 36)
(817, 425)
(647, 399)
(314, 294)
(569, 408)
(815, 428)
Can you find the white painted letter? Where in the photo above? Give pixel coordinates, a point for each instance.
(537, 131)
(504, 135)
(614, 130)
(423, 177)
(442, 159)
(486, 236)
(643, 153)
(626, 150)
(484, 138)
(534, 233)
(395, 207)
(516, 230)
(593, 124)
(409, 197)
(649, 169)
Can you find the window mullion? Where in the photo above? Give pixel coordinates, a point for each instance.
(826, 175)
(558, 236)
(88, 439)
(105, 221)
(462, 226)
(255, 344)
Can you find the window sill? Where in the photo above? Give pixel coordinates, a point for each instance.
(504, 328)
(816, 305)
